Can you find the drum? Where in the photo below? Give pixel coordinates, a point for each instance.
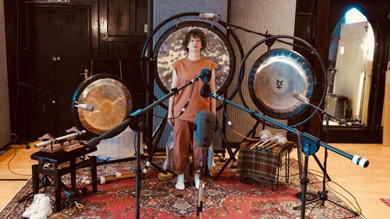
(111, 101)
(275, 77)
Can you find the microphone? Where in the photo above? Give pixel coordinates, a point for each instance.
(301, 98)
(205, 74)
(84, 107)
(209, 16)
(204, 128)
(205, 91)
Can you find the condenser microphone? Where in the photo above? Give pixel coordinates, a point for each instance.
(205, 75)
(301, 98)
(84, 107)
(209, 16)
(204, 128)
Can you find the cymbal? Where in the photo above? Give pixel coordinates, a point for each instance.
(111, 101)
(273, 80)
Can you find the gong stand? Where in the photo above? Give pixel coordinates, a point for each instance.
(310, 145)
(266, 35)
(135, 120)
(154, 143)
(147, 81)
(232, 155)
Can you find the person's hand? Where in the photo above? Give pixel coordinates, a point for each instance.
(171, 121)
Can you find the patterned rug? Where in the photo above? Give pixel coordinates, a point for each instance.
(227, 197)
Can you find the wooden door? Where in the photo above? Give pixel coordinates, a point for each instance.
(59, 39)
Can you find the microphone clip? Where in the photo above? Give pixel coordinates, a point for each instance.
(210, 16)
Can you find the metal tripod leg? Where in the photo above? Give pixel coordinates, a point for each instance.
(156, 138)
(323, 195)
(199, 208)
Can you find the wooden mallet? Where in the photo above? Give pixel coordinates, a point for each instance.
(272, 140)
(264, 136)
(280, 141)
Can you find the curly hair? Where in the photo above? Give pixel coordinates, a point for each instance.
(194, 33)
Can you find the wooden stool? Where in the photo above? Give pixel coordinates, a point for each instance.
(58, 158)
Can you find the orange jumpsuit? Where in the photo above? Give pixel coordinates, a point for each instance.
(183, 133)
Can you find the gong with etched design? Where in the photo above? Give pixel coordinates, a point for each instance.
(169, 49)
(273, 80)
(110, 99)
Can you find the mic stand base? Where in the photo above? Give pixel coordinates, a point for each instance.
(323, 196)
(310, 196)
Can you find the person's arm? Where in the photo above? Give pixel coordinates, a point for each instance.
(171, 99)
(213, 102)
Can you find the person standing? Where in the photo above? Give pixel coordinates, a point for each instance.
(183, 71)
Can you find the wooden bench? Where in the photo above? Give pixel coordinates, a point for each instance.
(57, 172)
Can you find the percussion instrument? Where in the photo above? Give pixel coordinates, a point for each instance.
(273, 80)
(169, 49)
(110, 100)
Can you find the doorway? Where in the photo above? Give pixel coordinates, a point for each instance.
(350, 70)
(59, 37)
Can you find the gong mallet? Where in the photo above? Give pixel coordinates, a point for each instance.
(264, 135)
(280, 141)
(267, 138)
(272, 140)
(59, 139)
(110, 178)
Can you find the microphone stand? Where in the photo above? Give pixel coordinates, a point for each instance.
(310, 145)
(199, 208)
(323, 196)
(135, 120)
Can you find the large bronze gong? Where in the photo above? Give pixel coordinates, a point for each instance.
(275, 77)
(169, 49)
(110, 98)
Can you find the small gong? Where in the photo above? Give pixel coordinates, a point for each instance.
(111, 101)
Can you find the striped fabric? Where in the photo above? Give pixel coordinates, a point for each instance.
(261, 165)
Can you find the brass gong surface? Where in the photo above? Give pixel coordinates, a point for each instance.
(110, 98)
(275, 77)
(169, 50)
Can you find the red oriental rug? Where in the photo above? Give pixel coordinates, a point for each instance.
(227, 197)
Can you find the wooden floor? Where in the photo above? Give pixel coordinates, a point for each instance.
(367, 185)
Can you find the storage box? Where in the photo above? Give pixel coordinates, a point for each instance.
(120, 146)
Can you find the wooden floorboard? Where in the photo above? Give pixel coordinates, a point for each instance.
(368, 185)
